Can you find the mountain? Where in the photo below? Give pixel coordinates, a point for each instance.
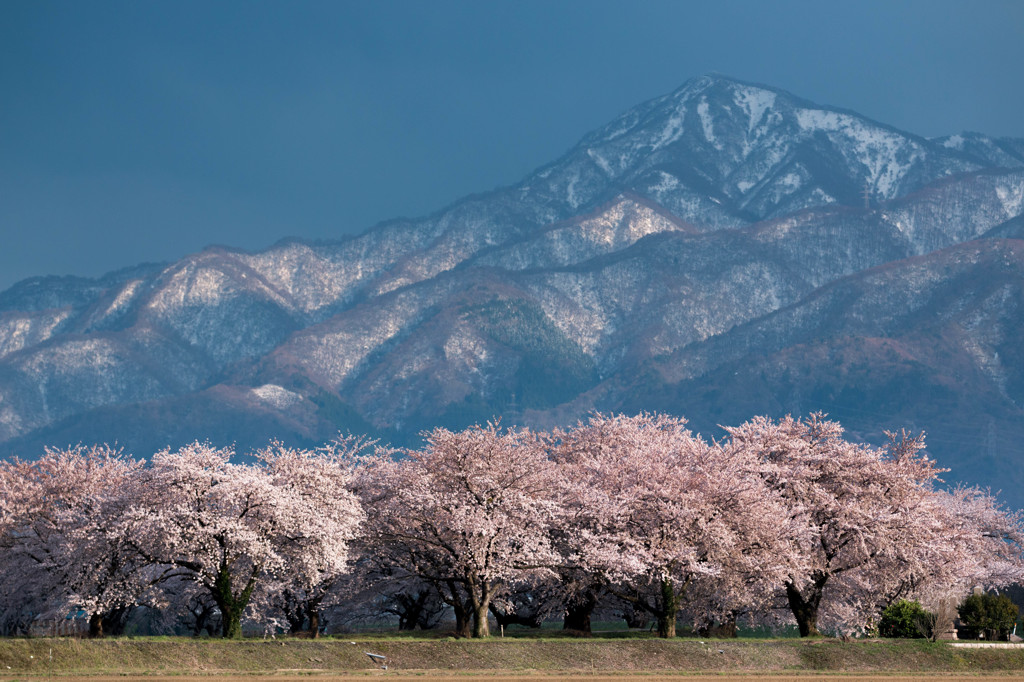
(723, 251)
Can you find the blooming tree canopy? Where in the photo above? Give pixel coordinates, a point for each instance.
(783, 516)
(227, 526)
(470, 512)
(65, 537)
(654, 508)
(871, 525)
(316, 481)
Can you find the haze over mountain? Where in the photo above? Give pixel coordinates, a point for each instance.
(723, 251)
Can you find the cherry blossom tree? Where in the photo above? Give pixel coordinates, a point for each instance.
(989, 537)
(652, 509)
(979, 543)
(228, 526)
(65, 535)
(22, 594)
(469, 512)
(313, 562)
(868, 514)
(507, 520)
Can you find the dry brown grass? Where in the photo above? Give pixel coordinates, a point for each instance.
(491, 676)
(646, 659)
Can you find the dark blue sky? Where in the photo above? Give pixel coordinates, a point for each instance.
(141, 131)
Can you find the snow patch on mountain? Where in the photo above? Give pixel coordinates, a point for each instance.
(22, 330)
(1012, 197)
(600, 161)
(755, 102)
(276, 396)
(954, 142)
(706, 122)
(672, 131)
(790, 182)
(886, 155)
(667, 182)
(465, 348)
(570, 191)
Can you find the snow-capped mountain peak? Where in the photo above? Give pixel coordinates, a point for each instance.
(693, 255)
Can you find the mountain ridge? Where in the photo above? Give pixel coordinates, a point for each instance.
(660, 238)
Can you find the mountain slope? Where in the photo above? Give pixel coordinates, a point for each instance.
(929, 343)
(725, 250)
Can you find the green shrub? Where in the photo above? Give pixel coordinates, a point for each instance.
(987, 616)
(905, 619)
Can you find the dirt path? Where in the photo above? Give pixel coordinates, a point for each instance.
(430, 676)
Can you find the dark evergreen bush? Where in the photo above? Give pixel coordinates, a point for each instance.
(905, 619)
(987, 616)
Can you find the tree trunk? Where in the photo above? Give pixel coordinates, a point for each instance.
(410, 609)
(296, 619)
(805, 609)
(665, 607)
(462, 622)
(110, 622)
(95, 626)
(669, 609)
(116, 620)
(481, 606)
(314, 622)
(231, 605)
(231, 622)
(202, 618)
(295, 608)
(460, 607)
(212, 626)
(579, 611)
(666, 625)
(308, 611)
(725, 629)
(481, 627)
(636, 618)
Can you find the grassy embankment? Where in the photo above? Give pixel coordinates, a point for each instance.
(182, 656)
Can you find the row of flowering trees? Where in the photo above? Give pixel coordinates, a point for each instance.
(781, 521)
(94, 530)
